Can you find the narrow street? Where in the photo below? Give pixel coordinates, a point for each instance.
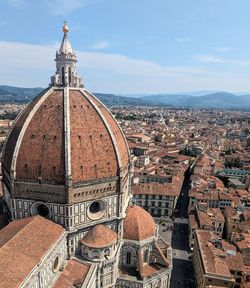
(182, 273)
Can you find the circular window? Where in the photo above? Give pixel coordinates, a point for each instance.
(40, 209)
(96, 209)
(56, 264)
(43, 210)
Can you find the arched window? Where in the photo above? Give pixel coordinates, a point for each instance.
(107, 252)
(69, 71)
(85, 251)
(95, 254)
(146, 255)
(128, 258)
(63, 76)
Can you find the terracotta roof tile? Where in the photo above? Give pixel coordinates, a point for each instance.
(99, 236)
(120, 139)
(42, 148)
(138, 224)
(92, 151)
(27, 240)
(219, 261)
(242, 241)
(149, 269)
(154, 189)
(41, 152)
(212, 215)
(15, 131)
(192, 222)
(73, 274)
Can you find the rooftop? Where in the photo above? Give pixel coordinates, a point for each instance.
(154, 189)
(27, 240)
(99, 236)
(138, 224)
(72, 275)
(219, 257)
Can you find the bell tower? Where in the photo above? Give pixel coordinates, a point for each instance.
(66, 74)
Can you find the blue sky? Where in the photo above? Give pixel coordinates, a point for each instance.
(132, 46)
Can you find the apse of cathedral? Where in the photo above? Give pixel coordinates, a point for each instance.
(66, 179)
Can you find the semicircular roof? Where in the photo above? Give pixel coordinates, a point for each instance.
(65, 133)
(138, 224)
(99, 236)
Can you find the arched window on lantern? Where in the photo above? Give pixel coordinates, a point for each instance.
(69, 72)
(128, 258)
(63, 76)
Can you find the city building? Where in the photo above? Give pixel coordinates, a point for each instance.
(203, 165)
(66, 185)
(205, 218)
(142, 161)
(236, 220)
(208, 189)
(216, 262)
(242, 242)
(158, 199)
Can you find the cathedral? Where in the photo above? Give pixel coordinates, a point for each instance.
(66, 180)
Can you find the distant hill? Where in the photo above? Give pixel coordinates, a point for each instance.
(165, 99)
(10, 94)
(116, 100)
(221, 100)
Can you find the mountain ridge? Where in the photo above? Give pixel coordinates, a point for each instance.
(218, 100)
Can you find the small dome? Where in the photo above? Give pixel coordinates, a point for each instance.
(138, 224)
(99, 236)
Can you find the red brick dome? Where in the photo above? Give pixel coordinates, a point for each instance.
(138, 224)
(99, 236)
(65, 147)
(65, 135)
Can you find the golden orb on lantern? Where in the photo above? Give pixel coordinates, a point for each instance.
(65, 27)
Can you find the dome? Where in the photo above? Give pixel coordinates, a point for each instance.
(65, 147)
(65, 137)
(99, 236)
(138, 224)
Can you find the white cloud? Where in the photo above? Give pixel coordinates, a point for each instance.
(239, 63)
(121, 64)
(14, 55)
(183, 39)
(25, 56)
(208, 59)
(30, 65)
(214, 59)
(101, 45)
